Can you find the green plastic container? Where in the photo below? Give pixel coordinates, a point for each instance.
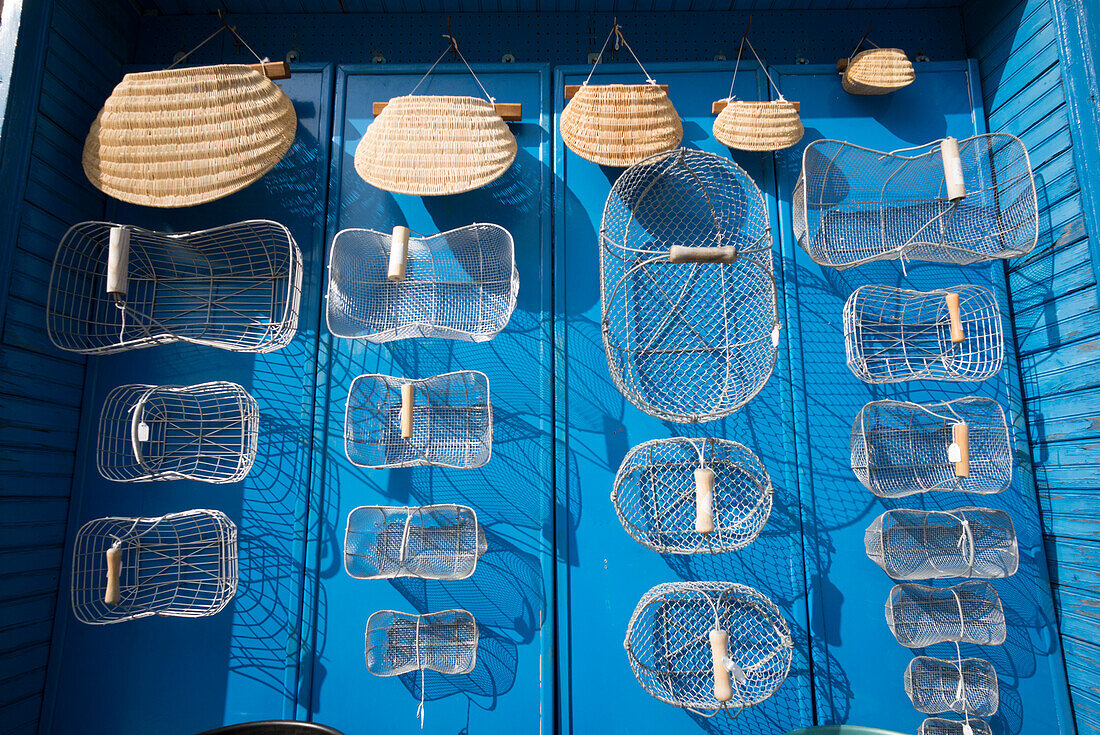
(843, 730)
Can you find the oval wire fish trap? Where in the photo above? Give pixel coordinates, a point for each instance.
(708, 646)
(179, 565)
(117, 287)
(970, 612)
(892, 335)
(445, 420)
(978, 543)
(206, 432)
(691, 496)
(955, 202)
(430, 542)
(461, 284)
(689, 316)
(967, 686)
(900, 448)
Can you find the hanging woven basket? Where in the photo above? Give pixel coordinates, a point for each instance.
(878, 71)
(620, 124)
(180, 137)
(431, 145)
(758, 126)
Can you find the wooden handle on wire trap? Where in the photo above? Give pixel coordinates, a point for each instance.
(954, 184)
(118, 261)
(704, 500)
(695, 254)
(960, 437)
(408, 391)
(719, 642)
(114, 571)
(957, 334)
(399, 253)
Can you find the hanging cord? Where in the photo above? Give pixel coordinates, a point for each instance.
(617, 34)
(416, 644)
(452, 48)
(737, 65)
(225, 27)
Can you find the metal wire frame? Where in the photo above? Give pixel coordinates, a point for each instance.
(429, 542)
(656, 495)
(669, 645)
(969, 612)
(687, 341)
(452, 421)
(854, 205)
(941, 726)
(966, 686)
(893, 334)
(235, 287)
(460, 284)
(178, 565)
(901, 448)
(977, 543)
(207, 432)
(397, 643)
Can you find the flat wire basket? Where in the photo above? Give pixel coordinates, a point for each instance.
(429, 542)
(967, 686)
(970, 612)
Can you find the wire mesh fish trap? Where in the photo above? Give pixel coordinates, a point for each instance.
(430, 542)
(978, 543)
(206, 432)
(950, 201)
(692, 496)
(689, 316)
(117, 287)
(444, 642)
(461, 284)
(941, 726)
(179, 565)
(967, 686)
(893, 334)
(445, 420)
(969, 612)
(900, 448)
(708, 646)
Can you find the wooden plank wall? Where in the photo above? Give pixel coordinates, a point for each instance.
(1054, 297)
(40, 386)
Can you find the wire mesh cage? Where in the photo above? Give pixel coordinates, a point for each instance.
(978, 543)
(445, 420)
(117, 287)
(444, 642)
(178, 565)
(950, 201)
(901, 448)
(691, 496)
(708, 646)
(430, 542)
(461, 284)
(969, 612)
(967, 686)
(206, 432)
(941, 726)
(689, 316)
(892, 334)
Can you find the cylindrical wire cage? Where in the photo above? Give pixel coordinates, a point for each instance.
(460, 284)
(970, 612)
(941, 726)
(692, 496)
(977, 543)
(430, 542)
(708, 646)
(893, 335)
(207, 432)
(901, 448)
(950, 201)
(116, 287)
(178, 565)
(445, 420)
(397, 643)
(689, 317)
(967, 686)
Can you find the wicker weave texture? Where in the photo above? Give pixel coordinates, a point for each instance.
(758, 126)
(181, 137)
(620, 124)
(878, 71)
(434, 145)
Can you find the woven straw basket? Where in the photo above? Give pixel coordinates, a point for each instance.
(620, 124)
(878, 71)
(758, 126)
(430, 145)
(182, 137)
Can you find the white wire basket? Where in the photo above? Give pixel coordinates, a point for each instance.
(893, 335)
(969, 612)
(967, 686)
(206, 432)
(941, 726)
(977, 543)
(445, 420)
(708, 646)
(117, 287)
(901, 448)
(444, 642)
(430, 542)
(692, 496)
(460, 284)
(687, 285)
(179, 565)
(950, 201)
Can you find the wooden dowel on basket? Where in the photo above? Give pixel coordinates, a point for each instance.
(399, 253)
(408, 392)
(704, 500)
(719, 642)
(273, 69)
(114, 571)
(719, 105)
(957, 334)
(510, 111)
(572, 89)
(695, 254)
(960, 434)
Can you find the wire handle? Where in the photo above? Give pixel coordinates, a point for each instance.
(617, 34)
